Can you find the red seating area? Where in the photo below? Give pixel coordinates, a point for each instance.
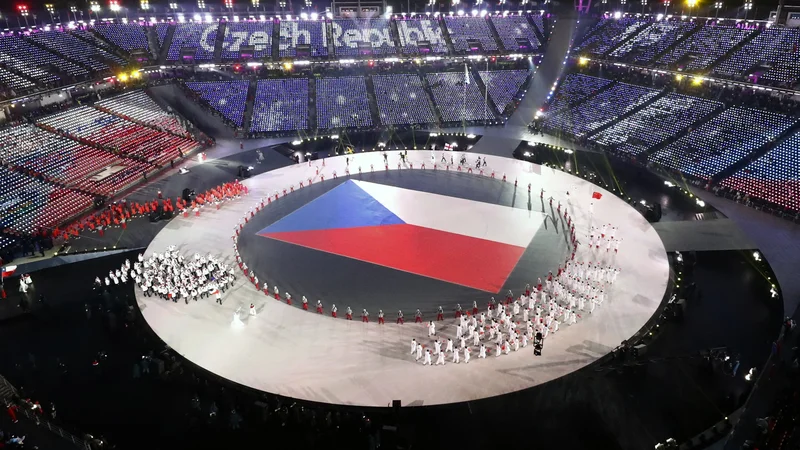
(132, 139)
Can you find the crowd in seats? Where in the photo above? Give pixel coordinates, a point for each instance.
(10, 80)
(510, 28)
(774, 177)
(503, 86)
(347, 34)
(574, 88)
(27, 203)
(413, 30)
(138, 106)
(76, 50)
(200, 36)
(243, 34)
(30, 60)
(653, 40)
(402, 100)
(538, 20)
(127, 36)
(463, 29)
(773, 54)
(656, 123)
(161, 32)
(723, 141)
(280, 105)
(598, 110)
(227, 98)
(342, 103)
(94, 127)
(306, 32)
(95, 41)
(456, 99)
(609, 32)
(705, 46)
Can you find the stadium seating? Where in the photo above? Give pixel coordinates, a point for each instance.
(774, 53)
(200, 36)
(347, 34)
(503, 85)
(705, 46)
(127, 36)
(609, 32)
(411, 31)
(32, 61)
(457, 101)
(137, 105)
(241, 34)
(573, 89)
(402, 100)
(28, 203)
(599, 110)
(538, 20)
(653, 40)
(510, 28)
(95, 41)
(161, 33)
(774, 177)
(462, 29)
(130, 139)
(308, 32)
(76, 50)
(226, 97)
(342, 103)
(10, 80)
(725, 140)
(280, 105)
(656, 123)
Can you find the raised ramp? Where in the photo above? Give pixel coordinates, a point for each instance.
(702, 235)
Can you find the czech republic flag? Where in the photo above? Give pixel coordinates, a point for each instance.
(459, 241)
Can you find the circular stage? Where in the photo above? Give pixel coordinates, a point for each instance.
(401, 238)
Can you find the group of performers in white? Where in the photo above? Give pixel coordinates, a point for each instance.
(170, 276)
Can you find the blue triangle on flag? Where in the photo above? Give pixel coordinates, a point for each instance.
(345, 206)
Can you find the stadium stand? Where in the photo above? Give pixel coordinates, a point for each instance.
(464, 29)
(608, 33)
(227, 98)
(32, 61)
(457, 101)
(342, 103)
(653, 40)
(705, 46)
(138, 106)
(13, 81)
(538, 20)
(127, 36)
(280, 105)
(774, 177)
(656, 123)
(574, 88)
(723, 141)
(161, 33)
(402, 100)
(503, 86)
(347, 34)
(599, 110)
(241, 34)
(773, 54)
(412, 31)
(76, 50)
(200, 36)
(307, 32)
(510, 28)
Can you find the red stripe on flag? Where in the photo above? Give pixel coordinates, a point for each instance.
(454, 258)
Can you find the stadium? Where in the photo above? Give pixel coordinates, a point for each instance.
(350, 225)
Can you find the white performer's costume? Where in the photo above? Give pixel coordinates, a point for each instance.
(437, 347)
(459, 330)
(431, 329)
(449, 347)
(440, 359)
(427, 361)
(252, 310)
(413, 346)
(475, 338)
(419, 352)
(466, 355)
(497, 350)
(482, 352)
(456, 357)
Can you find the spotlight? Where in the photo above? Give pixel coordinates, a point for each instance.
(750, 374)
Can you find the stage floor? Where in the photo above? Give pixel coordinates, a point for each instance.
(287, 351)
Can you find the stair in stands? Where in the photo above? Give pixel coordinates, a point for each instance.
(152, 42)
(162, 58)
(757, 153)
(631, 112)
(683, 132)
(732, 50)
(540, 34)
(219, 41)
(427, 88)
(60, 55)
(677, 42)
(10, 69)
(446, 35)
(491, 108)
(495, 35)
(103, 44)
(249, 104)
(373, 102)
(136, 121)
(619, 44)
(312, 105)
(395, 35)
